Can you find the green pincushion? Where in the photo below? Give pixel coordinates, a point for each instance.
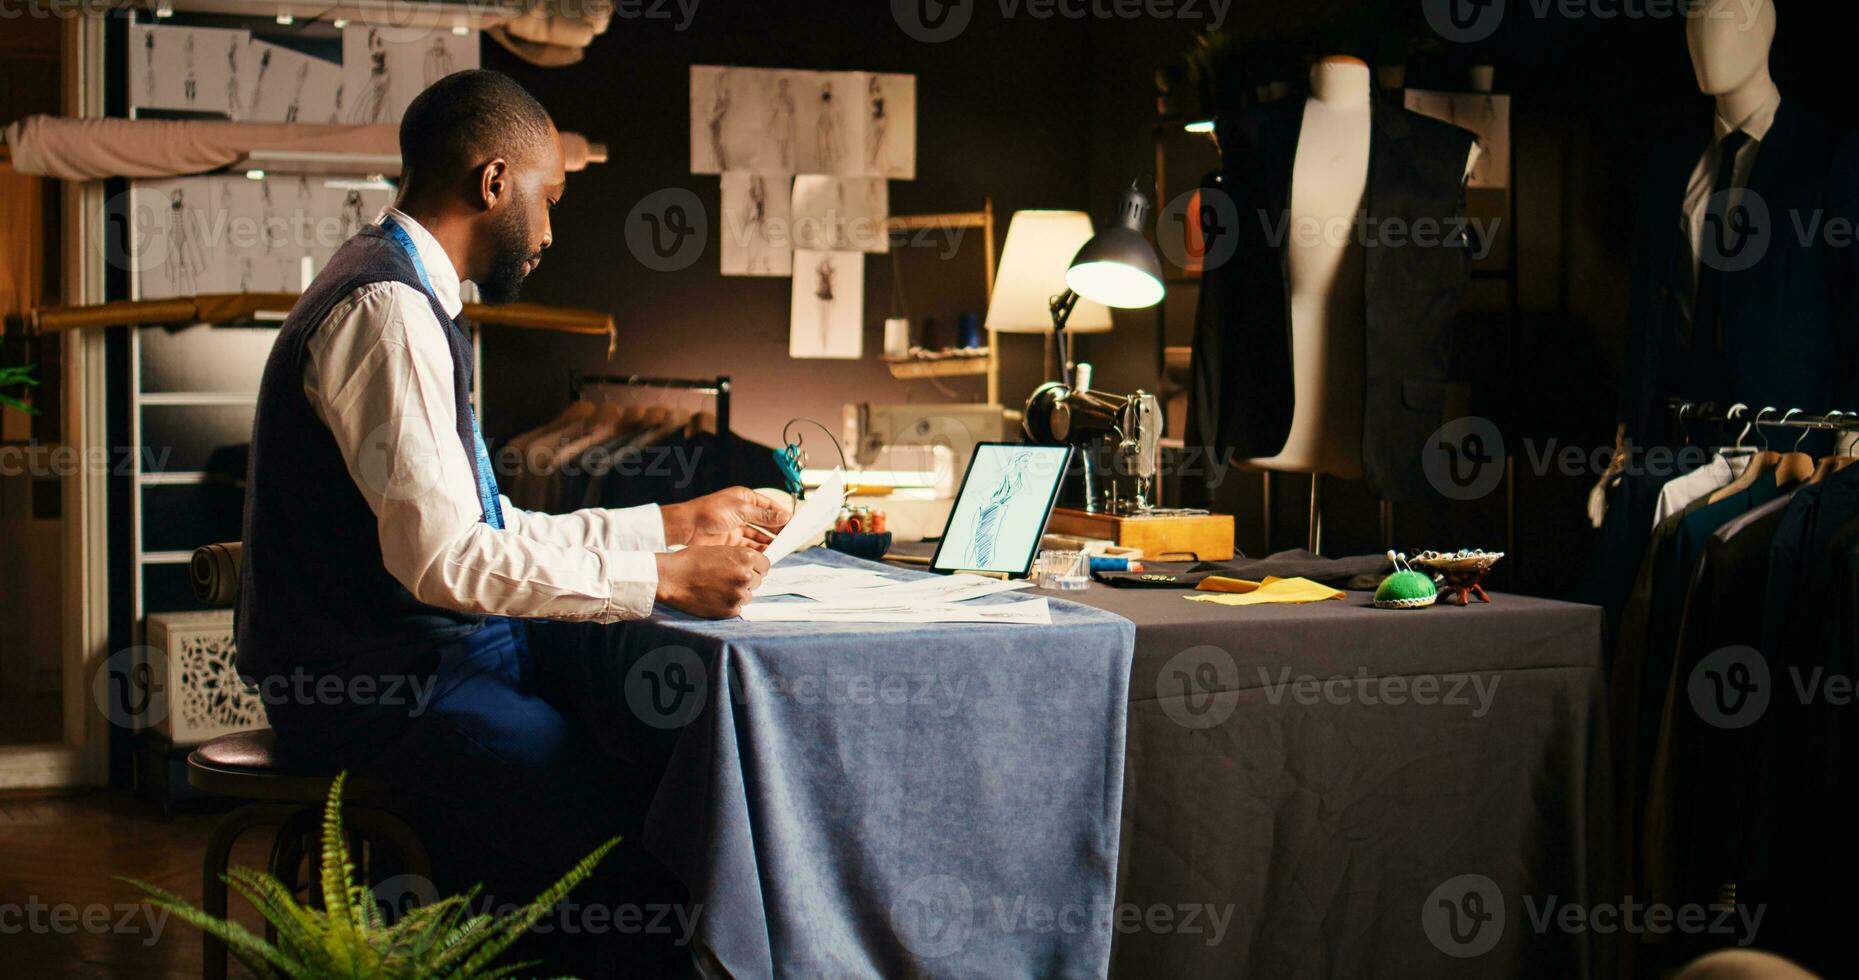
(1405, 589)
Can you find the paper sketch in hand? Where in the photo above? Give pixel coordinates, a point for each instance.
(756, 225)
(840, 213)
(292, 86)
(891, 126)
(198, 69)
(812, 519)
(827, 315)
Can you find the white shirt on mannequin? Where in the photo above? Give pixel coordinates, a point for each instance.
(380, 370)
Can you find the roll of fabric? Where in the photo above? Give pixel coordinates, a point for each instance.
(214, 573)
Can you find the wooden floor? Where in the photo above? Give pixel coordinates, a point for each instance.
(57, 862)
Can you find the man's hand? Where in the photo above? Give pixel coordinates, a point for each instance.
(708, 581)
(737, 517)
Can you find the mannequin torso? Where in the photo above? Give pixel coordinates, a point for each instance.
(1324, 265)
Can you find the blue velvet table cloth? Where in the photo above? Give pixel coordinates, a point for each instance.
(854, 800)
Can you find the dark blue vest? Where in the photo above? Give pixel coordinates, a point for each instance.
(314, 592)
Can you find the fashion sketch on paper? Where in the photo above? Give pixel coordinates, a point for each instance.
(371, 105)
(781, 125)
(987, 532)
(296, 99)
(824, 292)
(148, 66)
(188, 84)
(258, 87)
(719, 114)
(757, 226)
(351, 215)
(438, 61)
(874, 147)
(185, 260)
(232, 77)
(826, 131)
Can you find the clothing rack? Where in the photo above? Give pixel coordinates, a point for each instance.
(717, 388)
(1767, 416)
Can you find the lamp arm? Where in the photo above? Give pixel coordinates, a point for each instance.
(1061, 306)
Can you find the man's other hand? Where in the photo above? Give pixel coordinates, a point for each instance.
(737, 518)
(710, 581)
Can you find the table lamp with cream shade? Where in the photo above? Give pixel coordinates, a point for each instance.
(1047, 250)
(1040, 246)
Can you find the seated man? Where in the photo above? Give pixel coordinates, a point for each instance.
(385, 580)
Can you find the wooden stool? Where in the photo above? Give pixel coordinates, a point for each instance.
(248, 766)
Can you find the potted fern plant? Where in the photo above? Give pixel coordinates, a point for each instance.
(350, 938)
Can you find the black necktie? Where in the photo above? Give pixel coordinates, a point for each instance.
(1707, 310)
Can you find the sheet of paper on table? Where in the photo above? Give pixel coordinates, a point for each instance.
(815, 517)
(943, 588)
(1027, 612)
(822, 582)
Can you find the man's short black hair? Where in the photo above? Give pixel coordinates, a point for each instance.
(464, 120)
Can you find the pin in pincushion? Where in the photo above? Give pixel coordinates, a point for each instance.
(1405, 589)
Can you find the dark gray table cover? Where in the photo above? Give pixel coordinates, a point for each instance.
(1339, 834)
(879, 801)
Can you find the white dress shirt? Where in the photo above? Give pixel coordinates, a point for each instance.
(1678, 493)
(379, 374)
(1704, 178)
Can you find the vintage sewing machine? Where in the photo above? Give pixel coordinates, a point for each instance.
(1129, 427)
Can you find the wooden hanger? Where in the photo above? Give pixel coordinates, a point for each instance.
(1759, 463)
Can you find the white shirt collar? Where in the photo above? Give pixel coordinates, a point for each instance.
(1758, 123)
(438, 265)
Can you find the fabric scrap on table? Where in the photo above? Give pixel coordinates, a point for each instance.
(1271, 589)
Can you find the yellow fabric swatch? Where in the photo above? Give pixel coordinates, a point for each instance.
(1240, 592)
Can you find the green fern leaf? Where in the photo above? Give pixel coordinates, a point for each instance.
(515, 924)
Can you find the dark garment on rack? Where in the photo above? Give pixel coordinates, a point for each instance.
(1700, 566)
(1699, 808)
(1362, 572)
(1622, 543)
(1241, 392)
(1625, 682)
(580, 485)
(1788, 319)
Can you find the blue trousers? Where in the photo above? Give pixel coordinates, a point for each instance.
(508, 793)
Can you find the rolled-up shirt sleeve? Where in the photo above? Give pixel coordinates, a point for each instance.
(379, 375)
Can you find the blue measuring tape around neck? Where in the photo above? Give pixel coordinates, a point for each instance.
(487, 479)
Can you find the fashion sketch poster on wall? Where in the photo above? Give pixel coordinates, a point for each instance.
(383, 68)
(231, 234)
(768, 120)
(291, 87)
(203, 70)
(757, 228)
(841, 213)
(828, 308)
(1001, 513)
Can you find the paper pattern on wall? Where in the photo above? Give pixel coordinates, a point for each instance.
(191, 69)
(848, 124)
(841, 213)
(228, 234)
(828, 309)
(1486, 114)
(383, 68)
(289, 86)
(756, 225)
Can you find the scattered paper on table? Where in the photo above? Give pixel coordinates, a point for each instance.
(823, 582)
(1027, 612)
(945, 588)
(815, 517)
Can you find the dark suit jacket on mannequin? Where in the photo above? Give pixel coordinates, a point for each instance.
(1241, 387)
(1788, 319)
